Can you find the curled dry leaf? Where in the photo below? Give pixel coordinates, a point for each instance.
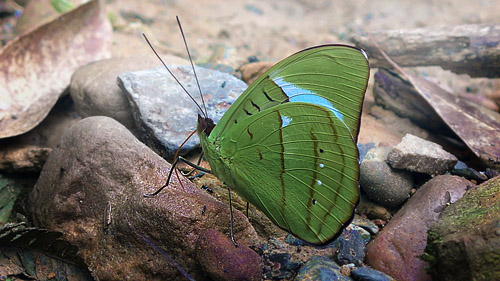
(478, 128)
(36, 68)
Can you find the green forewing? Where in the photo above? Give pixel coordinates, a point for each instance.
(288, 144)
(337, 73)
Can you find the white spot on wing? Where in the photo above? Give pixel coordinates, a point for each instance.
(285, 121)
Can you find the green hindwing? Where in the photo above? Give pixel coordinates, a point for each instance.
(288, 144)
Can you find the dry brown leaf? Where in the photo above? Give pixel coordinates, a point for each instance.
(478, 128)
(36, 67)
(38, 12)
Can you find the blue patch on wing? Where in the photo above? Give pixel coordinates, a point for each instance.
(297, 94)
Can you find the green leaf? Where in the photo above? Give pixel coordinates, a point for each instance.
(61, 6)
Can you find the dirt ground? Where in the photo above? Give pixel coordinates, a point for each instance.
(228, 32)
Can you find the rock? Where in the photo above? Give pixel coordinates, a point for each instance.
(23, 158)
(382, 184)
(351, 247)
(464, 243)
(418, 155)
(372, 210)
(320, 269)
(365, 224)
(165, 115)
(368, 274)
(396, 249)
(91, 189)
(221, 260)
(94, 89)
(251, 71)
(363, 149)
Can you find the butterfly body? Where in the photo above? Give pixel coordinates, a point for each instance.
(288, 143)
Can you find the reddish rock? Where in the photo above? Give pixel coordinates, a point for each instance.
(91, 189)
(396, 249)
(221, 260)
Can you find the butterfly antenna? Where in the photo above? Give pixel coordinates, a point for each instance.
(192, 65)
(177, 80)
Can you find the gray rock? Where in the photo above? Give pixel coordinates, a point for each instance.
(396, 250)
(94, 89)
(418, 155)
(91, 189)
(464, 243)
(368, 274)
(382, 184)
(321, 269)
(165, 115)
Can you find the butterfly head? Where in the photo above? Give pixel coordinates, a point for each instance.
(205, 125)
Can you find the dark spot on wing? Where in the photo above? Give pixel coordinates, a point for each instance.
(248, 113)
(249, 133)
(267, 96)
(321, 150)
(254, 105)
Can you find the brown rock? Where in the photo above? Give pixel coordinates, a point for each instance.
(91, 189)
(23, 159)
(252, 71)
(396, 249)
(221, 260)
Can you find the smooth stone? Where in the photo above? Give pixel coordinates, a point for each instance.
(372, 210)
(95, 90)
(92, 189)
(464, 243)
(382, 184)
(418, 155)
(165, 115)
(320, 268)
(221, 260)
(368, 274)
(396, 250)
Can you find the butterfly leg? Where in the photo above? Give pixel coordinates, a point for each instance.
(180, 158)
(194, 169)
(247, 208)
(231, 215)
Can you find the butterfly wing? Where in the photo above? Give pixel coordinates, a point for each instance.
(334, 76)
(288, 144)
(297, 163)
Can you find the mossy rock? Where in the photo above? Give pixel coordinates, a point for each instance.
(464, 243)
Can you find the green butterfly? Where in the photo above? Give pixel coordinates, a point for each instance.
(288, 143)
